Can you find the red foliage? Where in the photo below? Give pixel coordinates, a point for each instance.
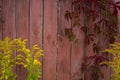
(104, 15)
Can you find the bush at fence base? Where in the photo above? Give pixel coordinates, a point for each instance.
(115, 62)
(25, 57)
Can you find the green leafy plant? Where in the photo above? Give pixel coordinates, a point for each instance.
(115, 62)
(25, 57)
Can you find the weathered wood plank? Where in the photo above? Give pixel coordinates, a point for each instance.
(9, 24)
(1, 17)
(63, 66)
(50, 40)
(9, 15)
(22, 24)
(36, 23)
(118, 21)
(24, 19)
(77, 60)
(78, 52)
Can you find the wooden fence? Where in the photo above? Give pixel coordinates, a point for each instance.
(42, 22)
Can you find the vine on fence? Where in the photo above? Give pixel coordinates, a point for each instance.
(104, 17)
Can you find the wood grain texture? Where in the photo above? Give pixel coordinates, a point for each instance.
(9, 15)
(1, 17)
(63, 66)
(118, 21)
(42, 22)
(50, 40)
(9, 24)
(78, 51)
(36, 23)
(22, 24)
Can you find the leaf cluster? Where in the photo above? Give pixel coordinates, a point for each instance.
(28, 59)
(93, 64)
(104, 17)
(103, 13)
(115, 62)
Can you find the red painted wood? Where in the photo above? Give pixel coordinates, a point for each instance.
(9, 25)
(9, 15)
(50, 40)
(36, 23)
(76, 60)
(22, 24)
(89, 48)
(78, 52)
(22, 18)
(60, 60)
(1, 23)
(63, 66)
(118, 20)
(106, 70)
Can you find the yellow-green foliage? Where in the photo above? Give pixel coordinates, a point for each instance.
(115, 62)
(26, 57)
(30, 59)
(6, 60)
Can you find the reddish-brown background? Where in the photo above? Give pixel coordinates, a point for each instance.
(42, 22)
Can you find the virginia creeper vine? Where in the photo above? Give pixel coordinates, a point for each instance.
(101, 22)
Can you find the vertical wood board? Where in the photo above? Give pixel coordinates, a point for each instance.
(9, 24)
(9, 15)
(36, 24)
(22, 23)
(78, 50)
(63, 66)
(50, 40)
(1, 17)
